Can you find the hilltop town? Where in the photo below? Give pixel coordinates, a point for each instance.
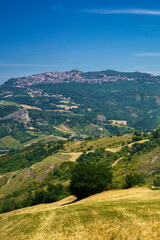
(80, 77)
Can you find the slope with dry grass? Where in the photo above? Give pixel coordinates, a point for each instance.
(106, 142)
(123, 214)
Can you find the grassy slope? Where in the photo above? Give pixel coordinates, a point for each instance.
(105, 142)
(124, 214)
(144, 164)
(9, 142)
(20, 179)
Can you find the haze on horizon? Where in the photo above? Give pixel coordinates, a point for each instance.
(39, 36)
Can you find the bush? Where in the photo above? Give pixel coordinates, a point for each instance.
(134, 179)
(156, 182)
(89, 178)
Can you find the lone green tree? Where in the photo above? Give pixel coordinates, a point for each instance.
(89, 178)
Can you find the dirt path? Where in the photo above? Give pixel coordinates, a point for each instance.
(114, 150)
(75, 155)
(30, 107)
(119, 159)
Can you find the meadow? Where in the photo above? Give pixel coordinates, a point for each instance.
(130, 214)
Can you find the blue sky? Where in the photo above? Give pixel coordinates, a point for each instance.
(48, 35)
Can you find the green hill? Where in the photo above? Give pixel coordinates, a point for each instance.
(31, 170)
(97, 104)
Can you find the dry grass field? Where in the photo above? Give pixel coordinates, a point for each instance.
(131, 214)
(117, 122)
(66, 107)
(73, 156)
(30, 107)
(63, 128)
(106, 142)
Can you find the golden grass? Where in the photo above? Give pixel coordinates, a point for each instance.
(29, 107)
(66, 107)
(64, 101)
(10, 95)
(73, 156)
(131, 214)
(106, 142)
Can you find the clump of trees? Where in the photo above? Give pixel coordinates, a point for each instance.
(156, 182)
(134, 179)
(25, 157)
(89, 178)
(139, 135)
(52, 193)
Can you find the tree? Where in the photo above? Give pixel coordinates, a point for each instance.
(7, 206)
(156, 181)
(134, 179)
(89, 178)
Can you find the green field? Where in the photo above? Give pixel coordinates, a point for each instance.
(9, 142)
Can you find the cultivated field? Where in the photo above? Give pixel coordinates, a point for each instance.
(117, 122)
(122, 214)
(63, 128)
(66, 107)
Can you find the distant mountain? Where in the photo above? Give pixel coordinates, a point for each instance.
(79, 76)
(78, 104)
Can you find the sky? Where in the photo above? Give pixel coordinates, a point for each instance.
(47, 35)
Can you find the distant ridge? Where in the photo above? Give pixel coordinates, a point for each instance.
(75, 75)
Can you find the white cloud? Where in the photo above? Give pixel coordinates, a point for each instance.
(124, 11)
(147, 54)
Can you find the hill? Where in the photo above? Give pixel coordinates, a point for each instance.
(40, 173)
(123, 214)
(52, 122)
(76, 105)
(27, 169)
(29, 172)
